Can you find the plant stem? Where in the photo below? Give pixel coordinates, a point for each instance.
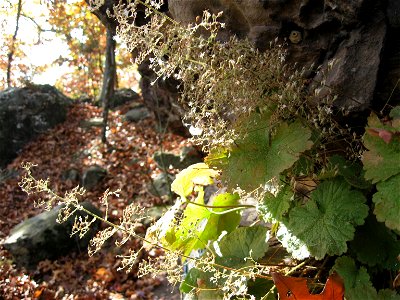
(81, 208)
(233, 207)
(157, 12)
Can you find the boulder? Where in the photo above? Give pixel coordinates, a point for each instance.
(8, 174)
(188, 156)
(92, 176)
(71, 174)
(92, 122)
(166, 160)
(161, 185)
(123, 96)
(41, 237)
(137, 114)
(25, 113)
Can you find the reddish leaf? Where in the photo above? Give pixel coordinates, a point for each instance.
(385, 135)
(290, 288)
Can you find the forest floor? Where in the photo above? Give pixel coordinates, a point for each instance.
(130, 167)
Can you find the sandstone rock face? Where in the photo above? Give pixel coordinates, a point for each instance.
(359, 37)
(349, 34)
(41, 237)
(26, 112)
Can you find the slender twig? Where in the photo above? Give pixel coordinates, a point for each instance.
(81, 208)
(390, 96)
(241, 206)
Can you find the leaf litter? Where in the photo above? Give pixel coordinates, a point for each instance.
(130, 167)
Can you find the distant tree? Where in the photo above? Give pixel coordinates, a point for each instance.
(86, 39)
(109, 79)
(11, 52)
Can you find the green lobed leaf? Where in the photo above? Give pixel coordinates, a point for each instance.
(382, 160)
(257, 158)
(260, 287)
(326, 222)
(387, 202)
(199, 224)
(395, 113)
(276, 206)
(350, 171)
(369, 241)
(240, 244)
(193, 278)
(287, 144)
(244, 164)
(388, 295)
(356, 281)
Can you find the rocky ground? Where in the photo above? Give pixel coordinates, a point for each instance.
(75, 145)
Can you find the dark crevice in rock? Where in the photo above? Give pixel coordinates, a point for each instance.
(388, 86)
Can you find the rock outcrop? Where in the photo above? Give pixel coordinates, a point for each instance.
(41, 237)
(352, 46)
(26, 112)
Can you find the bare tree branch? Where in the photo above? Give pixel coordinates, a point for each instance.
(12, 46)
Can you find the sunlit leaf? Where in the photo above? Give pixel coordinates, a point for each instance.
(292, 244)
(326, 222)
(228, 221)
(276, 206)
(198, 173)
(199, 224)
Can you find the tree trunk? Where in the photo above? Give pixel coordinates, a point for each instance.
(109, 78)
(12, 46)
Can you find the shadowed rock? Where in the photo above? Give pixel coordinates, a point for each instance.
(41, 237)
(137, 114)
(25, 113)
(92, 176)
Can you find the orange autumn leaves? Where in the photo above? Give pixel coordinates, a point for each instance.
(290, 288)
